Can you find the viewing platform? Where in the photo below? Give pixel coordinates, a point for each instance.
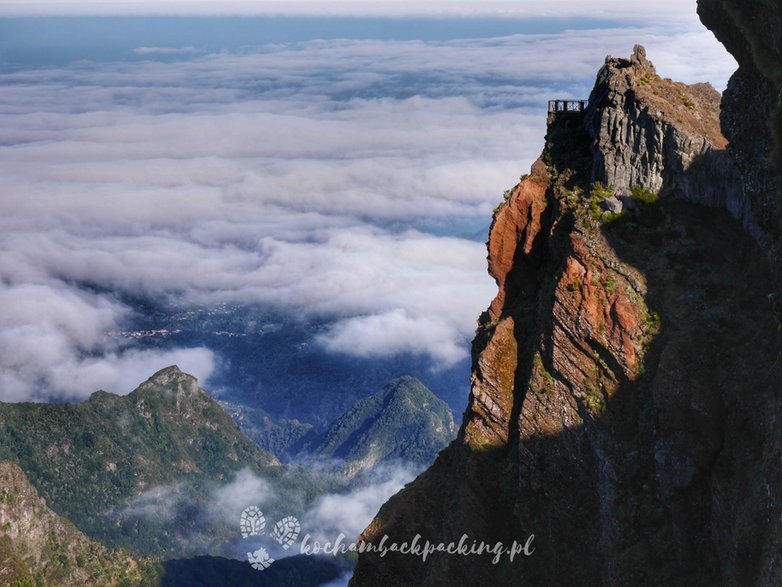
(567, 105)
(560, 108)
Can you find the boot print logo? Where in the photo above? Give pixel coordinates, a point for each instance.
(252, 523)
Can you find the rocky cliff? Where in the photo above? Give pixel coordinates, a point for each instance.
(752, 121)
(752, 106)
(663, 136)
(38, 547)
(623, 406)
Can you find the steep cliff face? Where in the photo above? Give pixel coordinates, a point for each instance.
(622, 377)
(752, 105)
(752, 121)
(40, 547)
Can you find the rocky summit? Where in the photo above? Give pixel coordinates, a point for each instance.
(624, 405)
(660, 135)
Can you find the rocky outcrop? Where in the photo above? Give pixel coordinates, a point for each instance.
(402, 423)
(662, 136)
(752, 106)
(38, 546)
(622, 377)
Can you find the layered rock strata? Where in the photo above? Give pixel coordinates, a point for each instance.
(622, 407)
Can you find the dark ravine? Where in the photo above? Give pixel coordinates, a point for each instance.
(626, 382)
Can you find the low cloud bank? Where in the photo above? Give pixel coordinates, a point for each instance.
(351, 181)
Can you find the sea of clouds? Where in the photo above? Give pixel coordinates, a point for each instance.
(351, 181)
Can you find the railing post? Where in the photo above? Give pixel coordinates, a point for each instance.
(556, 107)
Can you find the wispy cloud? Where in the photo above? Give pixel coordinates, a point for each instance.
(210, 521)
(166, 50)
(159, 503)
(349, 513)
(246, 489)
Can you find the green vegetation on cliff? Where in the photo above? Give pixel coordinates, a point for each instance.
(167, 444)
(38, 547)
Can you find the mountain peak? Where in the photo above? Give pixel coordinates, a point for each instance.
(639, 57)
(166, 430)
(659, 135)
(404, 420)
(171, 380)
(169, 373)
(637, 60)
(406, 385)
(616, 364)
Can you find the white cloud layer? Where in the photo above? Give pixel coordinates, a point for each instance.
(245, 489)
(318, 177)
(165, 50)
(351, 512)
(49, 337)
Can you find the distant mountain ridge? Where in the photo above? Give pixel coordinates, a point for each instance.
(139, 471)
(90, 459)
(403, 422)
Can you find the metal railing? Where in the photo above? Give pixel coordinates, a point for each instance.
(567, 106)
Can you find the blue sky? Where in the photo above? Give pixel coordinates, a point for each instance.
(506, 8)
(35, 41)
(344, 170)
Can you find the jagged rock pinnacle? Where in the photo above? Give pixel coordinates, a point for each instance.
(638, 58)
(594, 410)
(670, 135)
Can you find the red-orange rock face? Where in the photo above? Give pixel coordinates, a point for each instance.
(619, 389)
(513, 232)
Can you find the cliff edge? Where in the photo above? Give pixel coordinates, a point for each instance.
(622, 409)
(39, 547)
